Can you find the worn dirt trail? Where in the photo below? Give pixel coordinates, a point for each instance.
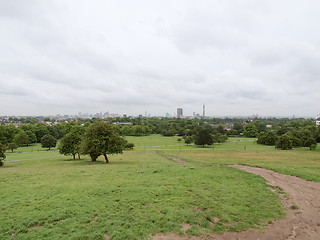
(300, 224)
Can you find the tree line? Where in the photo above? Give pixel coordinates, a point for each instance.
(283, 133)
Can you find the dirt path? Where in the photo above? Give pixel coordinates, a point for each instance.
(300, 224)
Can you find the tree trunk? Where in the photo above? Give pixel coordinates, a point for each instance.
(74, 156)
(106, 157)
(79, 156)
(94, 157)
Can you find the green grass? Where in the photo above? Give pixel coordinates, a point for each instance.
(300, 162)
(137, 194)
(158, 142)
(35, 147)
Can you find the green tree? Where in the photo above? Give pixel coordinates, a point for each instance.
(238, 127)
(268, 138)
(21, 139)
(203, 137)
(41, 130)
(32, 136)
(313, 146)
(310, 142)
(284, 142)
(137, 130)
(101, 139)
(260, 126)
(12, 146)
(9, 133)
(220, 138)
(70, 144)
(221, 130)
(126, 130)
(129, 145)
(250, 130)
(2, 153)
(48, 141)
(188, 140)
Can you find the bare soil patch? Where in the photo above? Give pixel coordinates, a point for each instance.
(302, 208)
(176, 159)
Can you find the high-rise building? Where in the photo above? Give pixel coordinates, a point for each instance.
(204, 111)
(179, 113)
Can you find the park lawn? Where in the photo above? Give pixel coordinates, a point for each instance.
(137, 194)
(299, 162)
(34, 147)
(155, 141)
(158, 142)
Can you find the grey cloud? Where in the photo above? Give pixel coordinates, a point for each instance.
(237, 57)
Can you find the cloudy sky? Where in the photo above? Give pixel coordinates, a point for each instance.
(238, 57)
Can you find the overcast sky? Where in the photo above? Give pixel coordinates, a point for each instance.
(238, 57)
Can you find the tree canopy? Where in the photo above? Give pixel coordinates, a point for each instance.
(2, 153)
(203, 137)
(101, 139)
(48, 141)
(21, 138)
(70, 144)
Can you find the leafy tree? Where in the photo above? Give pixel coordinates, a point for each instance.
(48, 141)
(220, 138)
(260, 126)
(203, 137)
(126, 130)
(70, 144)
(310, 142)
(12, 146)
(129, 145)
(32, 136)
(137, 130)
(238, 127)
(21, 139)
(101, 139)
(284, 142)
(268, 138)
(188, 140)
(41, 130)
(313, 146)
(2, 134)
(9, 133)
(250, 130)
(2, 153)
(221, 130)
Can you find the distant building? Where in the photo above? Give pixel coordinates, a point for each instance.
(179, 113)
(203, 110)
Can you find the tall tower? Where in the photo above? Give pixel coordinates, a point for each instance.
(179, 113)
(204, 110)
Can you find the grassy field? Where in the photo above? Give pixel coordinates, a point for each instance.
(300, 162)
(157, 142)
(141, 192)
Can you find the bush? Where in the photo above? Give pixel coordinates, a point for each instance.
(268, 138)
(48, 141)
(129, 146)
(2, 153)
(284, 142)
(313, 146)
